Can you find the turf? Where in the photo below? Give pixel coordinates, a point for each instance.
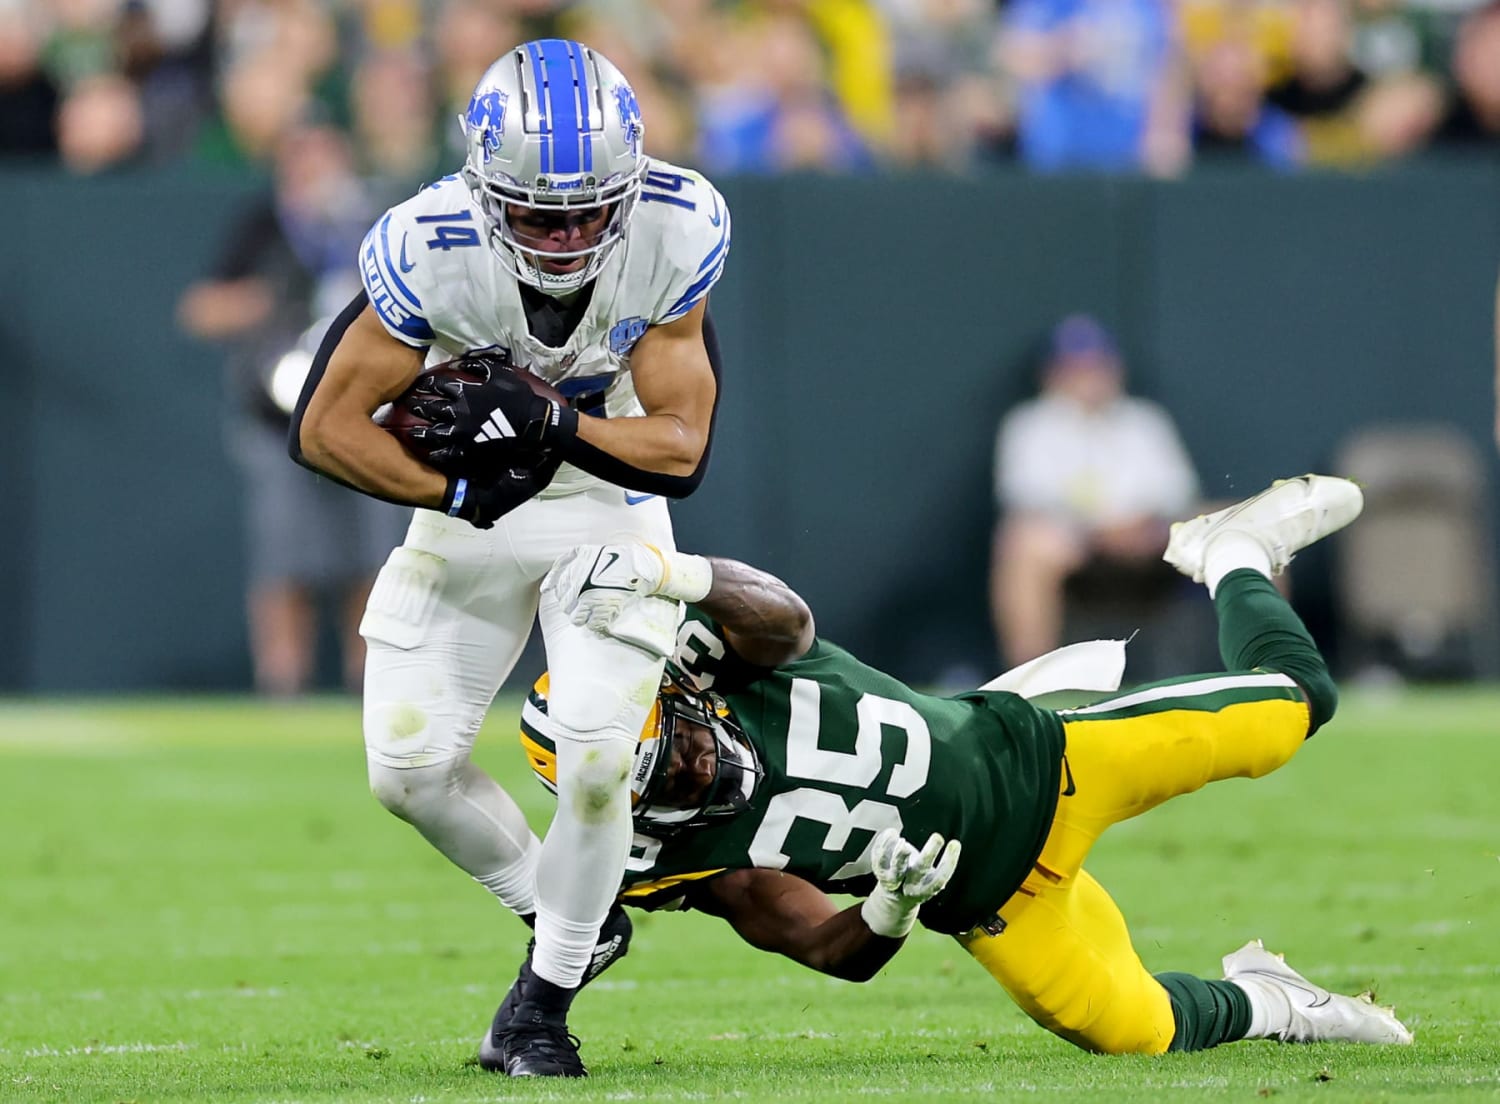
(200, 902)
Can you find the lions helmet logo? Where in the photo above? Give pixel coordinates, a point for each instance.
(486, 117)
(630, 116)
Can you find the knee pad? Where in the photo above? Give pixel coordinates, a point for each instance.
(594, 776)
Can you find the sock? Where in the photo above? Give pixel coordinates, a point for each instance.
(564, 949)
(1270, 1010)
(1259, 630)
(1231, 551)
(1206, 1013)
(515, 884)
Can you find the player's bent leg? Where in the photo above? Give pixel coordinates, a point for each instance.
(599, 693)
(1129, 753)
(1066, 958)
(442, 629)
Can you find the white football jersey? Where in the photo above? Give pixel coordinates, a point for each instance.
(434, 281)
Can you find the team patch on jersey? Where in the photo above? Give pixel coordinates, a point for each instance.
(625, 333)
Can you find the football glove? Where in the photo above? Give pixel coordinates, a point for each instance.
(483, 427)
(595, 583)
(483, 502)
(906, 878)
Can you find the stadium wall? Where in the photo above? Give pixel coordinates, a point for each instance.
(874, 328)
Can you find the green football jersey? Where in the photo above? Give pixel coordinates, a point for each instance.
(848, 751)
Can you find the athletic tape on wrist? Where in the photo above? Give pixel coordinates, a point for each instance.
(460, 489)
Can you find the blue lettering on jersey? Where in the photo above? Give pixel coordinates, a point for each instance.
(450, 237)
(486, 117)
(625, 333)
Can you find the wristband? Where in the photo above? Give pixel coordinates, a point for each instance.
(685, 577)
(889, 914)
(453, 497)
(564, 426)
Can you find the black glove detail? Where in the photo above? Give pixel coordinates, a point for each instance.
(482, 503)
(485, 427)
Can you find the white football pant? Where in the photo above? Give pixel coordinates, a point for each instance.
(446, 622)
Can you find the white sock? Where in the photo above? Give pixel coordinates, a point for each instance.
(515, 884)
(1232, 551)
(583, 854)
(564, 948)
(1270, 1010)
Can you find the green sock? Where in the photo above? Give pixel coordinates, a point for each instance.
(1258, 630)
(1206, 1013)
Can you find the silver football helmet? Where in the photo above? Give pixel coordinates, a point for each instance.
(554, 126)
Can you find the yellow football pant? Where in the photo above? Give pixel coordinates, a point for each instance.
(1065, 954)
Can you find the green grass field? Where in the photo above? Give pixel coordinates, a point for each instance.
(199, 901)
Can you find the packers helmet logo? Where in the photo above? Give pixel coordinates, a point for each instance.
(486, 118)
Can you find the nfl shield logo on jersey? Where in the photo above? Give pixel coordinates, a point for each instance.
(486, 116)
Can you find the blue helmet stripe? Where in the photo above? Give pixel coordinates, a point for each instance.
(543, 104)
(581, 83)
(562, 104)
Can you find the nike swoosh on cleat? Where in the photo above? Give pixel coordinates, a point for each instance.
(1317, 1002)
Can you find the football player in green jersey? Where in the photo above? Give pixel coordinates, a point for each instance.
(776, 768)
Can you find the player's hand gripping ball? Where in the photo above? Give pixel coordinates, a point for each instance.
(478, 417)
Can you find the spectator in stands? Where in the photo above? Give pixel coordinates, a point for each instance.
(393, 113)
(774, 111)
(161, 46)
(1097, 84)
(1324, 83)
(1085, 477)
(28, 96)
(100, 125)
(1474, 121)
(289, 263)
(1231, 120)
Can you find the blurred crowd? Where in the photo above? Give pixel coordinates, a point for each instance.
(770, 86)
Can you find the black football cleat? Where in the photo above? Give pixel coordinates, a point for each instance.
(614, 943)
(536, 1043)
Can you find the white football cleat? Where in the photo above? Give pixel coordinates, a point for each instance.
(1284, 518)
(1316, 1015)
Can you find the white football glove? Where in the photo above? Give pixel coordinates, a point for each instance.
(907, 878)
(594, 584)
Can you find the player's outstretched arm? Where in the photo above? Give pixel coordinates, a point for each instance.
(665, 451)
(334, 434)
(765, 621)
(780, 912)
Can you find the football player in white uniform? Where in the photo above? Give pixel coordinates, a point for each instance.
(563, 249)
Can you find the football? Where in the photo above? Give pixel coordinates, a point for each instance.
(399, 419)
